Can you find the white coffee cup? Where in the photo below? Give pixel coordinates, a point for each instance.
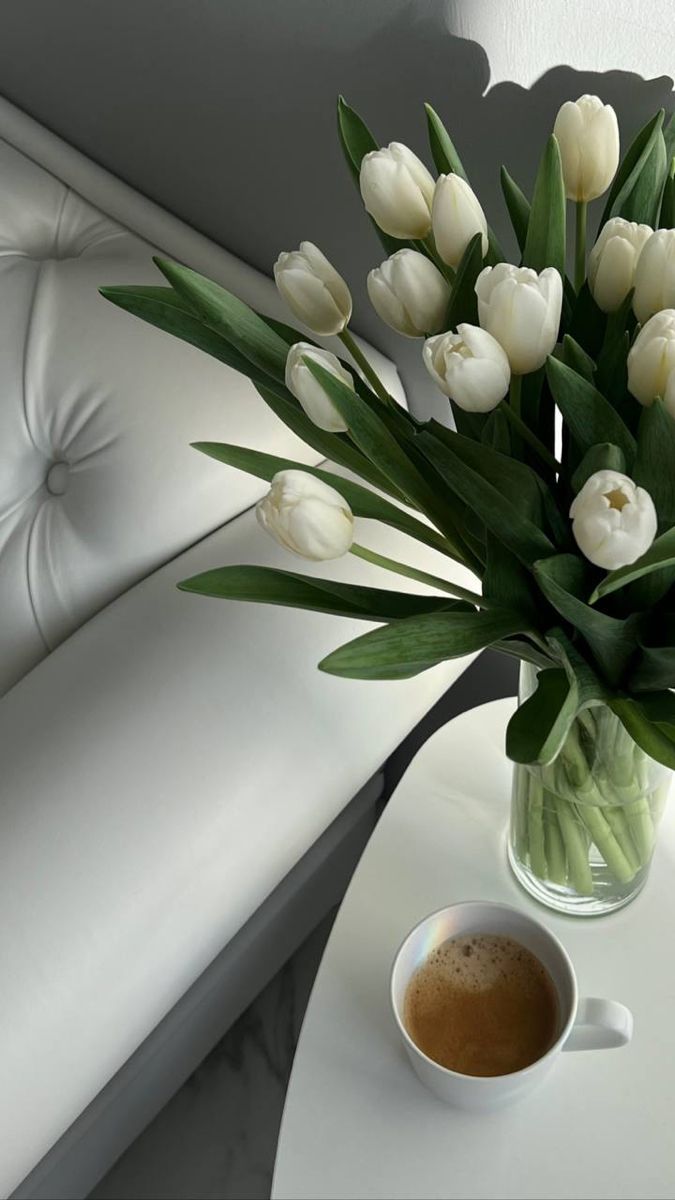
(586, 1024)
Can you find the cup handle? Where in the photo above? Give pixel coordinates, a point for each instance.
(600, 1025)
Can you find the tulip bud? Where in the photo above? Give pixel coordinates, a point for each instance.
(469, 366)
(456, 216)
(306, 516)
(613, 520)
(655, 275)
(313, 290)
(521, 309)
(409, 293)
(588, 136)
(302, 384)
(397, 191)
(613, 260)
(651, 359)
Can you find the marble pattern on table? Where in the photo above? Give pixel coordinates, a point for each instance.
(216, 1138)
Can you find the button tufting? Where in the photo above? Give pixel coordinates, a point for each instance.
(57, 478)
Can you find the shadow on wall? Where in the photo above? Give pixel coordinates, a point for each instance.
(225, 114)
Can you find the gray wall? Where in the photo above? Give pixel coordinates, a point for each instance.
(224, 112)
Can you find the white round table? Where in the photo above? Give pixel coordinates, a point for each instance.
(357, 1122)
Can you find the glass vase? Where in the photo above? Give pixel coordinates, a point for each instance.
(583, 827)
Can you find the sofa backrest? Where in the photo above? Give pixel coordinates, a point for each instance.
(98, 482)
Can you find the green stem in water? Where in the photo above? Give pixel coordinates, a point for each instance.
(556, 856)
(535, 829)
(579, 874)
(513, 414)
(606, 842)
(580, 245)
(362, 362)
(399, 568)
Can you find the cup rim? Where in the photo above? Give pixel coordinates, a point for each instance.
(486, 1080)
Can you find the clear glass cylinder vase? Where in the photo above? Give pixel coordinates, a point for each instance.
(583, 827)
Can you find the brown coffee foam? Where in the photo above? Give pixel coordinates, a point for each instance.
(483, 1005)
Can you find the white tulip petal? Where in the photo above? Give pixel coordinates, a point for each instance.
(614, 521)
(306, 516)
(313, 289)
(468, 366)
(521, 309)
(397, 191)
(308, 391)
(587, 132)
(408, 292)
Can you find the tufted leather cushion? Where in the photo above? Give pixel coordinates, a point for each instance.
(99, 484)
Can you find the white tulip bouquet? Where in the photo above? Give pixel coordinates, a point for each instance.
(571, 534)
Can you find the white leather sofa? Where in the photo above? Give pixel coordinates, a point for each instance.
(182, 793)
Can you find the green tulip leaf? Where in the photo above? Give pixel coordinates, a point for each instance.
(588, 323)
(603, 457)
(503, 516)
(463, 304)
(574, 356)
(612, 373)
(496, 432)
(230, 317)
(357, 141)
(414, 644)
(545, 244)
(523, 650)
(443, 152)
(518, 207)
(660, 554)
(470, 424)
(654, 467)
(361, 500)
(659, 707)
(669, 137)
(667, 213)
(539, 726)
(590, 417)
(655, 666)
(564, 580)
(166, 310)
(266, 585)
(380, 447)
(632, 192)
(448, 162)
(657, 739)
(508, 583)
(517, 482)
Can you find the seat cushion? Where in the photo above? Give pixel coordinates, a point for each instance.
(99, 484)
(163, 770)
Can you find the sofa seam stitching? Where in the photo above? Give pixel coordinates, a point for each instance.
(31, 597)
(29, 543)
(26, 349)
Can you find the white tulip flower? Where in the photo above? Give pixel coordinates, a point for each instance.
(588, 135)
(468, 366)
(521, 309)
(313, 289)
(613, 520)
(301, 383)
(409, 293)
(651, 359)
(397, 191)
(456, 216)
(613, 261)
(655, 275)
(306, 516)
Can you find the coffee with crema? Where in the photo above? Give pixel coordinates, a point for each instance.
(483, 1005)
